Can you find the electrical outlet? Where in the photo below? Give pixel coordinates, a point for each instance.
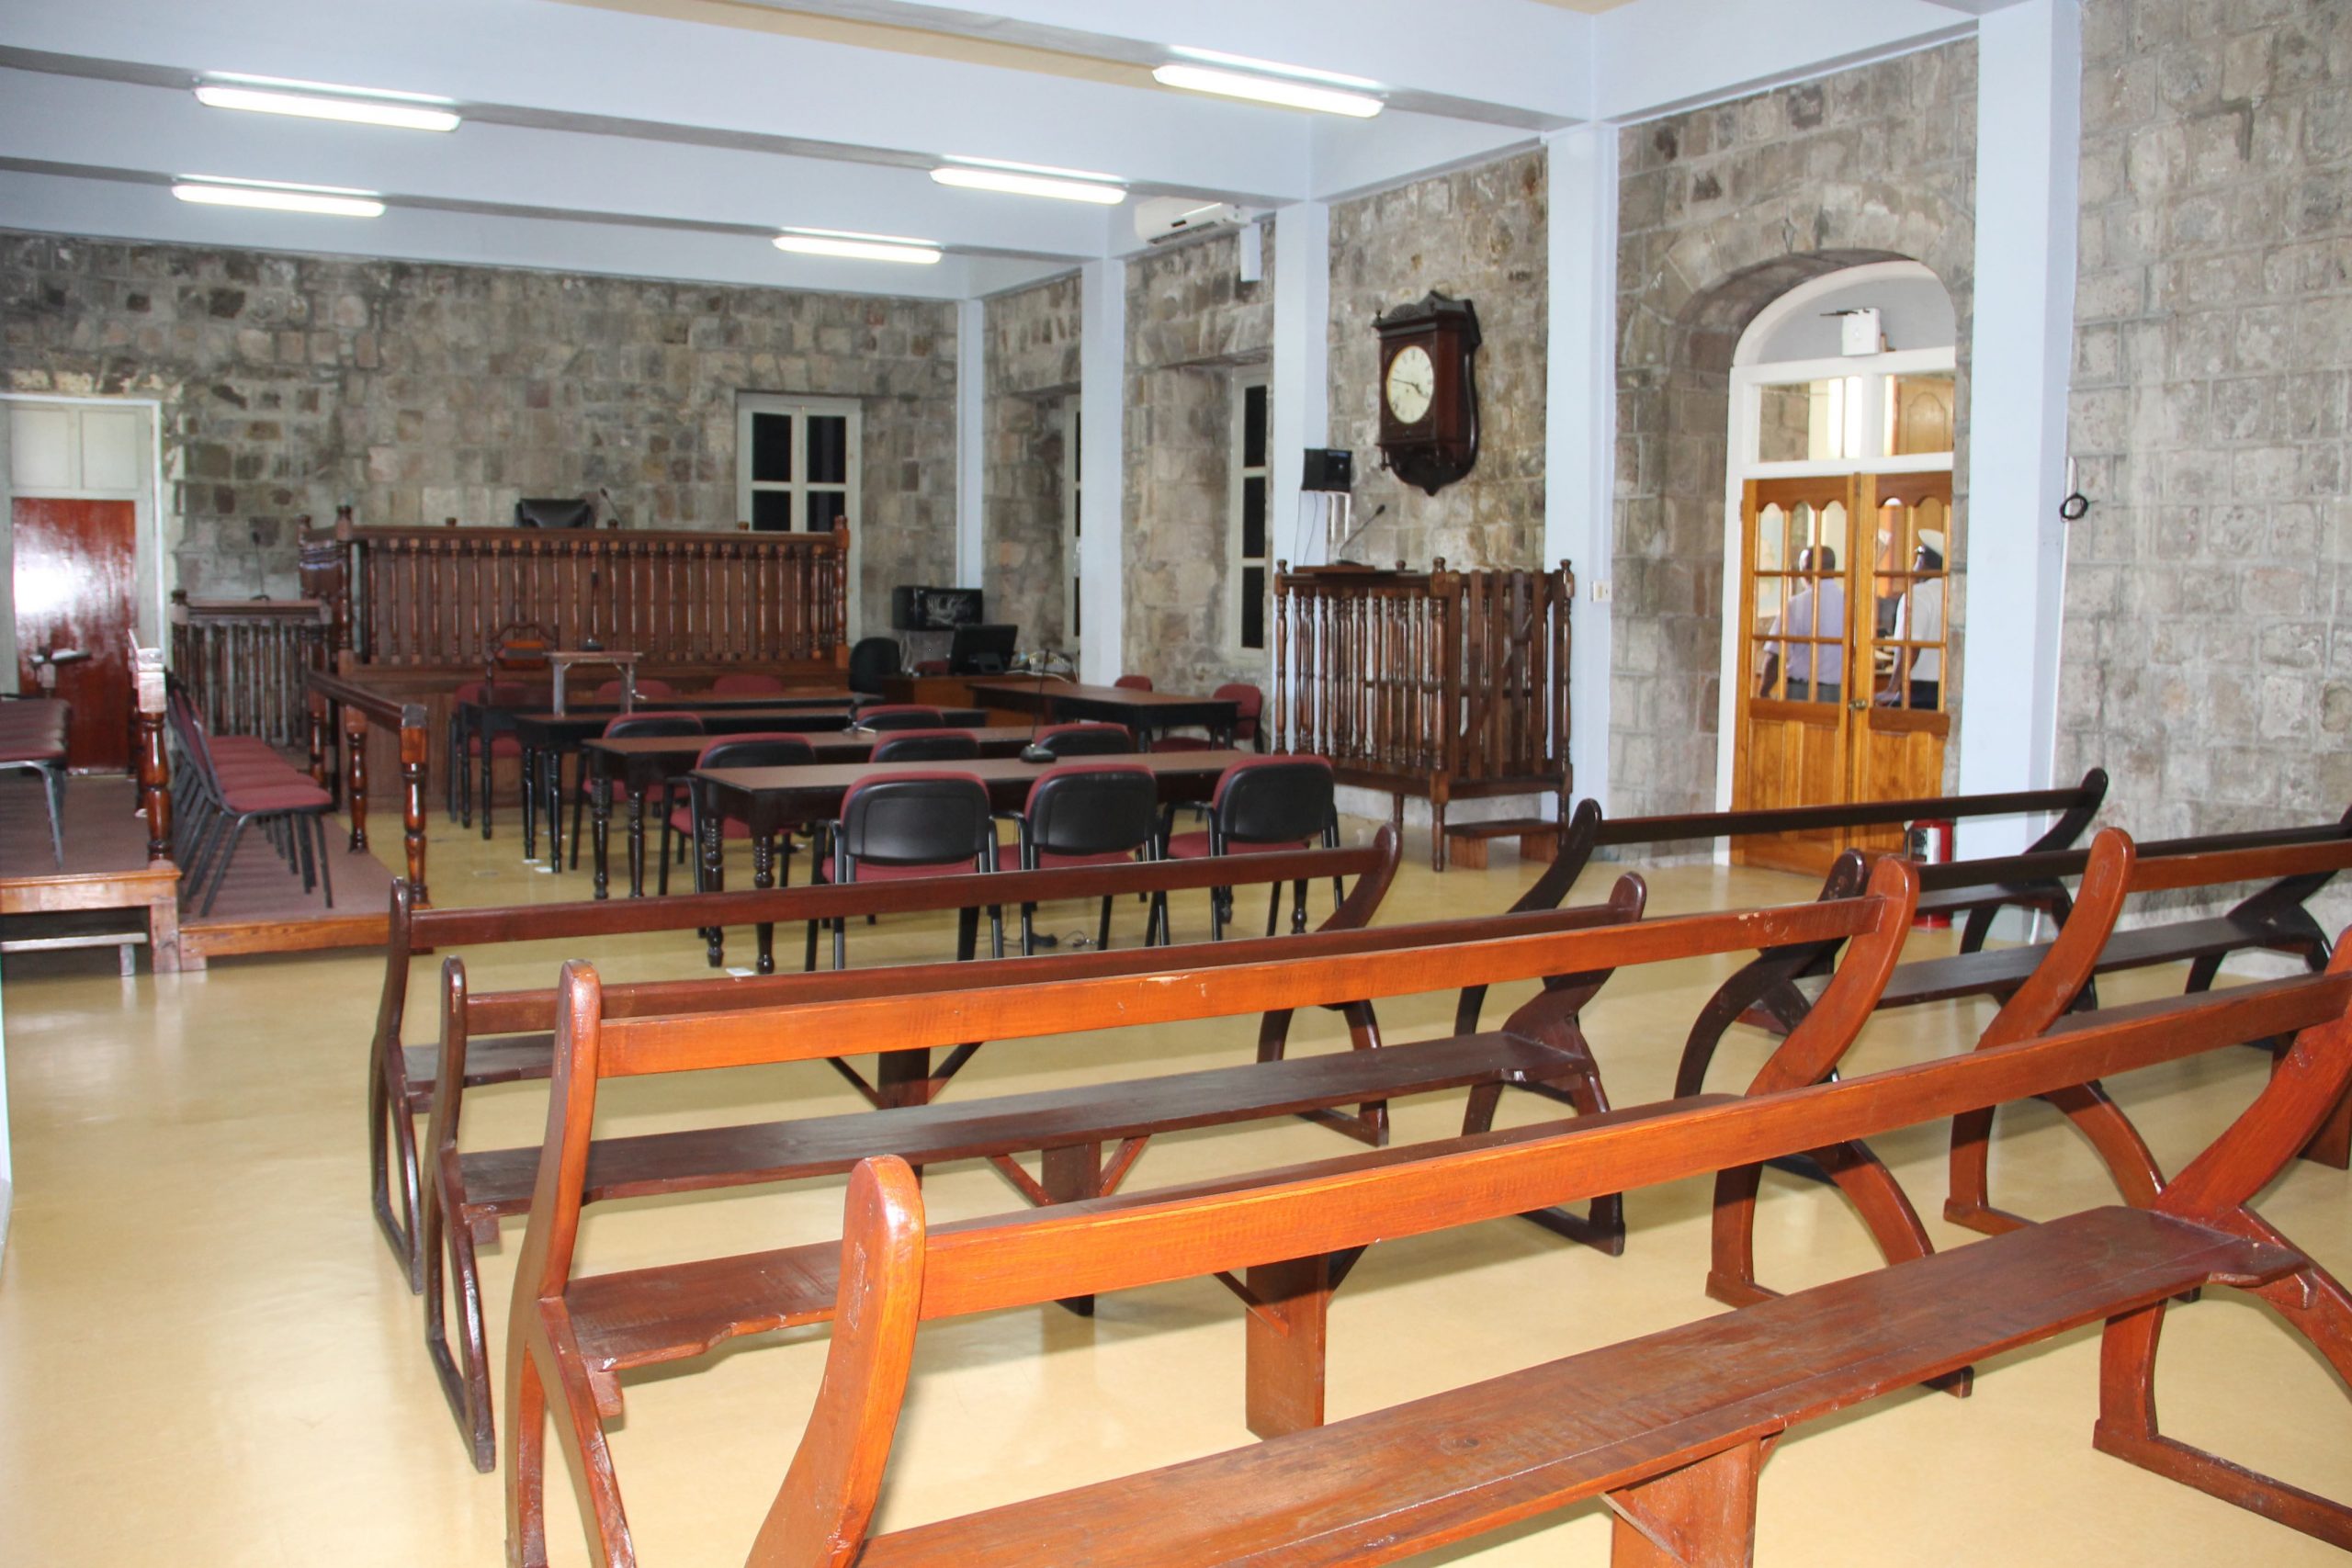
(1601, 591)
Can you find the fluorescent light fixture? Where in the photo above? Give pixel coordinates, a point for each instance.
(1276, 68)
(1279, 90)
(321, 100)
(219, 190)
(858, 247)
(1048, 170)
(1016, 183)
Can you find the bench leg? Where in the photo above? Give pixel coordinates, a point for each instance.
(1702, 1516)
(2096, 1116)
(391, 1148)
(1072, 1174)
(464, 1371)
(540, 1384)
(2332, 1144)
(2315, 1305)
(1288, 1326)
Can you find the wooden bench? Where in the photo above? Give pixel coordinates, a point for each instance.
(1776, 989)
(644, 1317)
(401, 1078)
(1671, 1428)
(1089, 1137)
(1587, 830)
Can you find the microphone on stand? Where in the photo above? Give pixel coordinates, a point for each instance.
(1355, 533)
(1041, 662)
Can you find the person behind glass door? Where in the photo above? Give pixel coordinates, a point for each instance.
(1819, 609)
(1920, 618)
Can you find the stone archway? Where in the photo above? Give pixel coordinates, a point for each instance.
(1678, 326)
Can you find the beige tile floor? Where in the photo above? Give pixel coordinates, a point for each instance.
(207, 1355)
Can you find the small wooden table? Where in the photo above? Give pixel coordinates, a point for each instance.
(640, 763)
(561, 659)
(1142, 712)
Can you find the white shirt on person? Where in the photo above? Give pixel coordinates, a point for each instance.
(1798, 620)
(1922, 607)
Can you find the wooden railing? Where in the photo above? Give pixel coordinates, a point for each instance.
(439, 596)
(1440, 683)
(244, 661)
(339, 712)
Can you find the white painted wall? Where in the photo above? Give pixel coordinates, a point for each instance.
(1580, 422)
(971, 440)
(8, 1170)
(1301, 388)
(2029, 132)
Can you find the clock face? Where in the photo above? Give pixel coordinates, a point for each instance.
(1412, 383)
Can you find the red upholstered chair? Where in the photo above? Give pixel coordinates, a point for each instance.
(744, 683)
(901, 715)
(927, 746)
(32, 735)
(1087, 740)
(1090, 814)
(648, 723)
(754, 750)
(1133, 682)
(926, 824)
(232, 790)
(464, 746)
(1249, 705)
(1262, 804)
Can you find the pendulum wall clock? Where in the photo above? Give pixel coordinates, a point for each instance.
(1429, 392)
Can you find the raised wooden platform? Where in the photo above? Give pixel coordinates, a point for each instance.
(262, 907)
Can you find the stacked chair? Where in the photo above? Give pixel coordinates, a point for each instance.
(32, 735)
(228, 783)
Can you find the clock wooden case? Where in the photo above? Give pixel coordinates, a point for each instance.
(1428, 390)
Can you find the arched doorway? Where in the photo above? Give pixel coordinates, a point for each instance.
(1838, 544)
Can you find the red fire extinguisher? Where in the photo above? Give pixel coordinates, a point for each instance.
(1929, 840)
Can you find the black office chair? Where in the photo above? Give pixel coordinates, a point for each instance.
(871, 658)
(640, 723)
(1262, 805)
(931, 824)
(1091, 813)
(900, 716)
(1086, 739)
(927, 746)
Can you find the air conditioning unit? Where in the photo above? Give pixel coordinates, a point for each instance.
(1165, 219)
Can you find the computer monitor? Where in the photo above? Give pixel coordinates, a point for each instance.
(985, 649)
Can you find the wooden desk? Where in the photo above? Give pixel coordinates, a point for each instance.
(640, 763)
(1142, 712)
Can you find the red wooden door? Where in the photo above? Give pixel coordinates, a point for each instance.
(75, 588)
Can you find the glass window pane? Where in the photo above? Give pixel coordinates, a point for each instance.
(827, 510)
(772, 510)
(1253, 427)
(1815, 421)
(1253, 519)
(772, 449)
(1253, 606)
(1077, 607)
(1919, 414)
(827, 449)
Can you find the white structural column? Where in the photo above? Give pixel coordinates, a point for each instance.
(1102, 467)
(1580, 422)
(1301, 384)
(971, 442)
(2029, 115)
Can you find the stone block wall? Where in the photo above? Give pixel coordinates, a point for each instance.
(1032, 346)
(1480, 234)
(2208, 653)
(1720, 212)
(290, 384)
(1191, 321)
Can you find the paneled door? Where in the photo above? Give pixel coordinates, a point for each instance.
(77, 474)
(1843, 651)
(1790, 749)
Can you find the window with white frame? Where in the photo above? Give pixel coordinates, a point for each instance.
(1246, 554)
(796, 462)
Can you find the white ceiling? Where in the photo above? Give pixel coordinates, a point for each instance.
(672, 138)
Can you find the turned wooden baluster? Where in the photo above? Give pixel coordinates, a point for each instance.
(414, 748)
(355, 784)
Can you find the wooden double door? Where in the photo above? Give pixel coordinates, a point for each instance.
(1844, 653)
